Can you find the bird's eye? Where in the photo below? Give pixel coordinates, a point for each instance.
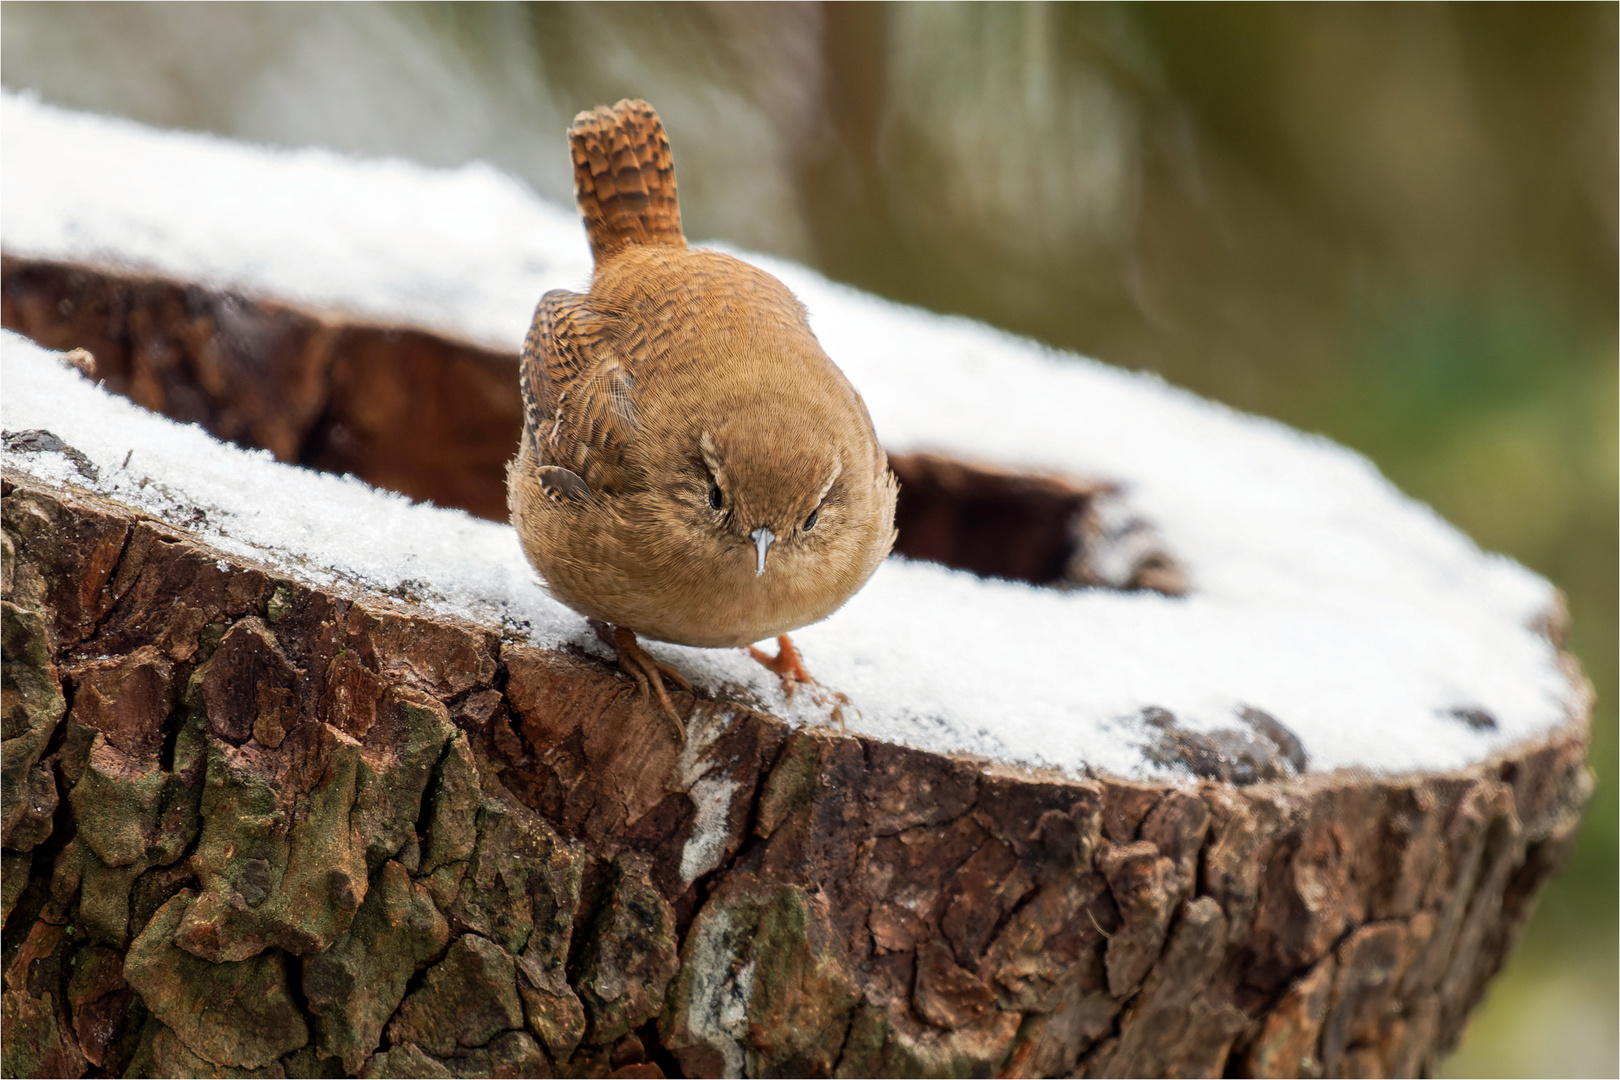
(810, 522)
(714, 496)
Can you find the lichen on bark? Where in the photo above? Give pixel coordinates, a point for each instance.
(765, 985)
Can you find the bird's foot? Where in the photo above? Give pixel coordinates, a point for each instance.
(648, 672)
(788, 665)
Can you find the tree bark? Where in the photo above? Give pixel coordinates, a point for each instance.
(254, 828)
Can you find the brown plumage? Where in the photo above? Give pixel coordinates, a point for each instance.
(694, 468)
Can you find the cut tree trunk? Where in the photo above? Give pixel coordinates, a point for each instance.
(252, 827)
(257, 828)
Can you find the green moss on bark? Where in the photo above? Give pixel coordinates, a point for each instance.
(355, 986)
(234, 1014)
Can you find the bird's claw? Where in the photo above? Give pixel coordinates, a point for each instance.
(788, 665)
(648, 673)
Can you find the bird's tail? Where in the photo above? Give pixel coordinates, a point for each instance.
(624, 178)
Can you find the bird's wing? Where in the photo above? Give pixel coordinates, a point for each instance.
(579, 407)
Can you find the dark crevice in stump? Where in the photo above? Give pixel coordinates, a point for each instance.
(438, 420)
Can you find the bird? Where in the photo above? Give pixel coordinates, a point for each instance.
(693, 468)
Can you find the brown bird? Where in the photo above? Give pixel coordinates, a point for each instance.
(694, 468)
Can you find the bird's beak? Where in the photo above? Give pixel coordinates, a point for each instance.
(763, 538)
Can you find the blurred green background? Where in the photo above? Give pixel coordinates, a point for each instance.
(1393, 224)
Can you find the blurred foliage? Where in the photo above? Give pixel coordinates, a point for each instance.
(1394, 224)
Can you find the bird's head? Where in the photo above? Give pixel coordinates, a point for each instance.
(773, 495)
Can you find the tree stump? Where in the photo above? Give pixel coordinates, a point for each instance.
(257, 826)
(264, 814)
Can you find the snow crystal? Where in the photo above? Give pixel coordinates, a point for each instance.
(1320, 594)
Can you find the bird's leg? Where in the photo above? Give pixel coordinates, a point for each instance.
(648, 672)
(787, 663)
(788, 666)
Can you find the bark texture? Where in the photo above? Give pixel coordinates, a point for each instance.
(256, 829)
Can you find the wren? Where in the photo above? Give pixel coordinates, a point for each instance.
(694, 468)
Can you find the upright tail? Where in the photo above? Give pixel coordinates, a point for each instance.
(624, 178)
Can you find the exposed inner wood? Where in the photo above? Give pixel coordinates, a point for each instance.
(438, 419)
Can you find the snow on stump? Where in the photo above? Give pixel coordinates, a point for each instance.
(1181, 744)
